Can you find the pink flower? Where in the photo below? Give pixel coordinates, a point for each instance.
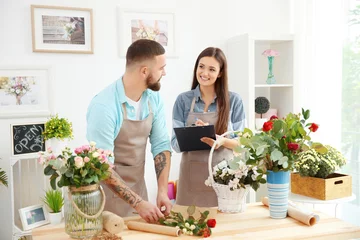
(100, 150)
(41, 160)
(85, 148)
(78, 150)
(270, 53)
(49, 150)
(86, 159)
(108, 153)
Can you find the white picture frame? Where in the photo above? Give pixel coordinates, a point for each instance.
(155, 25)
(24, 91)
(62, 29)
(33, 216)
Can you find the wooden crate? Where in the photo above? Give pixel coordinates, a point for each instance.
(334, 186)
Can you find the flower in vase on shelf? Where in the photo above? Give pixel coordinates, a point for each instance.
(86, 166)
(280, 141)
(190, 226)
(270, 54)
(320, 165)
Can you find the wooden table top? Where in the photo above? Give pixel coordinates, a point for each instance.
(254, 223)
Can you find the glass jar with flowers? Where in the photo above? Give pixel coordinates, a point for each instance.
(232, 178)
(275, 149)
(81, 172)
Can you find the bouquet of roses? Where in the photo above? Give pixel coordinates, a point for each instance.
(87, 165)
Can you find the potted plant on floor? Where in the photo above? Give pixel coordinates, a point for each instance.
(57, 133)
(55, 201)
(316, 175)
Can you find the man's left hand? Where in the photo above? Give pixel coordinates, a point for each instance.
(163, 202)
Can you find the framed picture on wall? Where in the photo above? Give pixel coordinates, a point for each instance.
(27, 139)
(33, 216)
(62, 29)
(153, 25)
(24, 91)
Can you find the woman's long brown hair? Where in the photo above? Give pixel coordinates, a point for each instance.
(221, 87)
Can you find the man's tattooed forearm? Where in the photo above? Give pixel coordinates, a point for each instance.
(160, 163)
(116, 184)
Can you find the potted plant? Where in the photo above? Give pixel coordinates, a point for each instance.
(233, 178)
(57, 132)
(55, 201)
(262, 105)
(316, 175)
(276, 148)
(81, 171)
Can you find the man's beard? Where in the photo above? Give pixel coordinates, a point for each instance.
(153, 86)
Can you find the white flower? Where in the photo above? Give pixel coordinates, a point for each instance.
(187, 225)
(192, 227)
(184, 230)
(17, 91)
(246, 135)
(95, 154)
(92, 143)
(79, 162)
(233, 183)
(222, 164)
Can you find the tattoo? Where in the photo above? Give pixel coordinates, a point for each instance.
(117, 185)
(160, 163)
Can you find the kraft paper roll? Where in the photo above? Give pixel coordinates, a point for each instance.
(303, 215)
(153, 228)
(112, 223)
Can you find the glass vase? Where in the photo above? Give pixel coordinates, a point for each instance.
(83, 211)
(270, 78)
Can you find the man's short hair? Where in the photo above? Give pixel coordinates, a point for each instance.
(143, 49)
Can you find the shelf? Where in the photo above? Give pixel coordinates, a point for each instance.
(272, 85)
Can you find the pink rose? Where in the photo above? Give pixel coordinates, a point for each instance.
(78, 150)
(86, 159)
(85, 148)
(41, 160)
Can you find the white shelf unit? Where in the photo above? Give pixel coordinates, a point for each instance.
(248, 70)
(247, 73)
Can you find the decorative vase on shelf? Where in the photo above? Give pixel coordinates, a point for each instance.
(83, 211)
(57, 145)
(270, 54)
(18, 100)
(270, 78)
(278, 193)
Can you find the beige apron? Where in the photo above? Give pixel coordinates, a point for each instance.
(129, 152)
(191, 188)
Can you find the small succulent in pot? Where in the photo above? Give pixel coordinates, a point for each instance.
(262, 105)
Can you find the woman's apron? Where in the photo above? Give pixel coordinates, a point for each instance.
(191, 189)
(129, 153)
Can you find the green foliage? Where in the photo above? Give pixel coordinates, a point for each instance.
(189, 225)
(54, 200)
(262, 105)
(89, 165)
(3, 178)
(57, 127)
(315, 164)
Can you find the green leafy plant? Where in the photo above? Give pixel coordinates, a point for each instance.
(86, 166)
(262, 105)
(59, 128)
(3, 178)
(190, 225)
(280, 141)
(314, 164)
(54, 200)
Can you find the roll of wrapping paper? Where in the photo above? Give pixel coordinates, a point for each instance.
(112, 222)
(303, 215)
(153, 228)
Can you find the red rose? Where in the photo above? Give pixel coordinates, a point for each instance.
(207, 232)
(293, 146)
(211, 223)
(273, 117)
(314, 127)
(267, 126)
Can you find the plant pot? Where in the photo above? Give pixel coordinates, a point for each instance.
(231, 201)
(259, 122)
(83, 209)
(55, 218)
(334, 186)
(57, 145)
(278, 193)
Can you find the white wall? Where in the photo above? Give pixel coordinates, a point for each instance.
(77, 77)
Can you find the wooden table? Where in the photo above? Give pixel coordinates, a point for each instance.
(254, 223)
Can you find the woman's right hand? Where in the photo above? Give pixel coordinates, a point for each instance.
(199, 122)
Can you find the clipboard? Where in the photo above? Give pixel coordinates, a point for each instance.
(189, 137)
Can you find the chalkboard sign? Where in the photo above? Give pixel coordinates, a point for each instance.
(27, 138)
